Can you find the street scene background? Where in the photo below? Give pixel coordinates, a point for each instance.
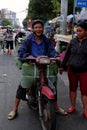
(60, 27)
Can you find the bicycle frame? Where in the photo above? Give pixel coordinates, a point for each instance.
(46, 88)
(45, 93)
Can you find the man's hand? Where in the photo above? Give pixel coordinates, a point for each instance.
(30, 57)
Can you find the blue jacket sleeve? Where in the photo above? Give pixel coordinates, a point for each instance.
(24, 50)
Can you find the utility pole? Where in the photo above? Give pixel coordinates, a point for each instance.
(73, 18)
(63, 24)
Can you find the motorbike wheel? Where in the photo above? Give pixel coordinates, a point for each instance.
(48, 120)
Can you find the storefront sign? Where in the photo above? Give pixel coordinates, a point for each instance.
(81, 3)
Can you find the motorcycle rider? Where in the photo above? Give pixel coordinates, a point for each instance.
(36, 44)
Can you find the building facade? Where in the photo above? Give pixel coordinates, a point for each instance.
(10, 15)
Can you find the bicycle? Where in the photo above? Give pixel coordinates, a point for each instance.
(44, 90)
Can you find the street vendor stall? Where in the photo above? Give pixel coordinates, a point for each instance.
(62, 40)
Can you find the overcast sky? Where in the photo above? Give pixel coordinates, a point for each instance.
(18, 6)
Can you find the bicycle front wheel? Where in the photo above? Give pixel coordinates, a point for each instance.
(48, 120)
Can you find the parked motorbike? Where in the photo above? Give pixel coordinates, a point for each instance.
(42, 91)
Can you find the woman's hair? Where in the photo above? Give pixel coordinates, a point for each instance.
(83, 25)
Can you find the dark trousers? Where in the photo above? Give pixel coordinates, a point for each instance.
(21, 93)
(9, 45)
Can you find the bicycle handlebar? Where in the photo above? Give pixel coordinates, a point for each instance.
(38, 60)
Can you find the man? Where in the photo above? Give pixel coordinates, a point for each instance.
(34, 45)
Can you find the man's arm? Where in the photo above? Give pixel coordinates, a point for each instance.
(24, 50)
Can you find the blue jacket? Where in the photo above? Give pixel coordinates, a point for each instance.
(25, 49)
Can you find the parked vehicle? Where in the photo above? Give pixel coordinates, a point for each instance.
(43, 90)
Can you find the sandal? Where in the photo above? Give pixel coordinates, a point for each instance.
(71, 109)
(61, 111)
(12, 115)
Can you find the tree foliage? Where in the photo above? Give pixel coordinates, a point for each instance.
(5, 22)
(56, 7)
(47, 9)
(44, 9)
(25, 23)
(39, 9)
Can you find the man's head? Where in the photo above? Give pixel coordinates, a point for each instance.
(38, 27)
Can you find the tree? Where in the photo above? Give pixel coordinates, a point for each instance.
(39, 9)
(44, 9)
(5, 22)
(25, 23)
(56, 7)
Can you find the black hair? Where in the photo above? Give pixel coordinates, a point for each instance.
(83, 25)
(64, 48)
(37, 21)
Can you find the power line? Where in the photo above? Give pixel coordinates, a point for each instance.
(21, 11)
(15, 12)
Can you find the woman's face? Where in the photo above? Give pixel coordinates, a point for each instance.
(38, 29)
(81, 33)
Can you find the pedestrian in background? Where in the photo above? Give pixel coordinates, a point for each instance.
(20, 34)
(76, 59)
(9, 41)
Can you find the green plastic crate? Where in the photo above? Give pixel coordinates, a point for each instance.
(30, 72)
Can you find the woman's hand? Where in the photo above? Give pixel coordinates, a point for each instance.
(59, 59)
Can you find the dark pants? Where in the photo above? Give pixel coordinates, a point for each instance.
(9, 45)
(21, 93)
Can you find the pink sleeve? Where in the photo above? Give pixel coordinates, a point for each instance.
(62, 55)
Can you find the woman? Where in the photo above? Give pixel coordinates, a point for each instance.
(76, 59)
(9, 41)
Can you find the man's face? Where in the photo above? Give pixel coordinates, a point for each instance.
(38, 29)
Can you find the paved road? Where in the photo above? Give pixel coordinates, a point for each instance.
(28, 119)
